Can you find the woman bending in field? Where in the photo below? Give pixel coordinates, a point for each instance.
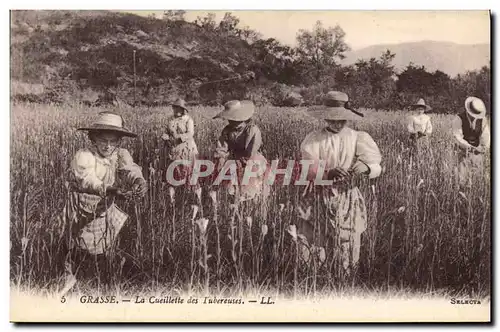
(348, 154)
(240, 141)
(97, 175)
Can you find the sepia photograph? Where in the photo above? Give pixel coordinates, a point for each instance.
(250, 166)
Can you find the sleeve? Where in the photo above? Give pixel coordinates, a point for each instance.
(168, 131)
(222, 148)
(429, 128)
(485, 139)
(189, 133)
(128, 170)
(368, 153)
(309, 149)
(411, 128)
(458, 134)
(253, 142)
(82, 174)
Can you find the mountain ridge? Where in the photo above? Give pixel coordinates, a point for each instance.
(448, 57)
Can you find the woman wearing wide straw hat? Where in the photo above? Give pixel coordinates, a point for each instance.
(240, 141)
(472, 137)
(179, 137)
(347, 154)
(97, 175)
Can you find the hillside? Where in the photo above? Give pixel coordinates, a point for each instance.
(448, 57)
(88, 56)
(94, 51)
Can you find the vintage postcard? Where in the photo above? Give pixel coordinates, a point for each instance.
(250, 166)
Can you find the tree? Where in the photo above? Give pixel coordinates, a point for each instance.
(416, 80)
(370, 83)
(381, 74)
(276, 61)
(229, 23)
(174, 15)
(473, 83)
(321, 48)
(249, 35)
(207, 22)
(441, 83)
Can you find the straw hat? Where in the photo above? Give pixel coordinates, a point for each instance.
(236, 110)
(335, 107)
(421, 103)
(475, 107)
(109, 121)
(180, 103)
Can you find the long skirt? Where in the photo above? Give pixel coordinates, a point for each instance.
(91, 228)
(336, 224)
(250, 191)
(186, 151)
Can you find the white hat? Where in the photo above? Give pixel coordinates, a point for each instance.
(335, 107)
(475, 107)
(109, 121)
(236, 110)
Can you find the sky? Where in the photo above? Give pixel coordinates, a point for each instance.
(365, 28)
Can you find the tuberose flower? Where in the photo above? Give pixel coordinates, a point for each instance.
(198, 193)
(264, 230)
(195, 211)
(305, 214)
(213, 196)
(292, 230)
(249, 221)
(202, 225)
(171, 193)
(24, 243)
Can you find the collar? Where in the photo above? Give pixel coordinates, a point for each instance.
(329, 131)
(183, 116)
(104, 160)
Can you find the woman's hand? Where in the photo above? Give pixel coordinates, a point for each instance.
(480, 149)
(113, 191)
(337, 174)
(140, 187)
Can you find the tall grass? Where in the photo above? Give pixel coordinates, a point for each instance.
(424, 232)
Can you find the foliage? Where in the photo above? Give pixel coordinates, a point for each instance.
(320, 48)
(174, 15)
(203, 59)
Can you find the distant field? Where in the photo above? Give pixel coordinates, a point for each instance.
(441, 241)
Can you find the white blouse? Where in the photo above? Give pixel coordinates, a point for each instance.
(343, 149)
(93, 174)
(420, 124)
(181, 127)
